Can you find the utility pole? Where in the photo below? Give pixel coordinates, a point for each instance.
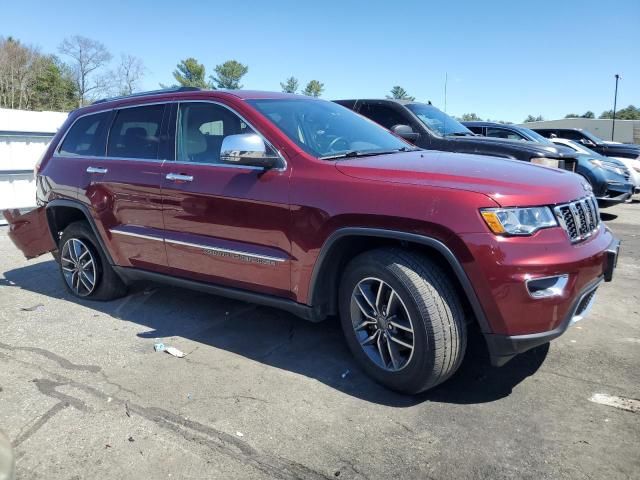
(615, 101)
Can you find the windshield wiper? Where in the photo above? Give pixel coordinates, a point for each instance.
(358, 153)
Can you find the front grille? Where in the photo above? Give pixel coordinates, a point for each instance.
(580, 219)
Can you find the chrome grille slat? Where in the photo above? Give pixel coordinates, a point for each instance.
(580, 218)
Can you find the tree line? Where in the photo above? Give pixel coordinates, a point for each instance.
(82, 72)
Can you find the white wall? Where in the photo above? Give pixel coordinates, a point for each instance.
(24, 137)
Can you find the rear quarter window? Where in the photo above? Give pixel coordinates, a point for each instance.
(86, 137)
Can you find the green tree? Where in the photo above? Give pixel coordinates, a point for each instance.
(400, 93)
(290, 85)
(313, 89)
(571, 115)
(629, 113)
(531, 118)
(470, 117)
(229, 74)
(588, 114)
(54, 87)
(190, 73)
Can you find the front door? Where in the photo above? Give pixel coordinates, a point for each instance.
(225, 224)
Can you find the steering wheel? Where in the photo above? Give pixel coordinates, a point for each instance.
(335, 141)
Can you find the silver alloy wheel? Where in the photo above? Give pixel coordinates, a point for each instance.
(382, 324)
(78, 267)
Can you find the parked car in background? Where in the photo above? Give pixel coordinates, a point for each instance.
(608, 177)
(631, 166)
(589, 140)
(429, 128)
(301, 204)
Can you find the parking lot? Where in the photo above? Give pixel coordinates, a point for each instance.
(262, 394)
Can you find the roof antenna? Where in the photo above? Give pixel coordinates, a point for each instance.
(445, 91)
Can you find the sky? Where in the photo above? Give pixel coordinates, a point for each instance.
(503, 60)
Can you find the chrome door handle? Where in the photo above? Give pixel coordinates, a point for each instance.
(177, 177)
(96, 170)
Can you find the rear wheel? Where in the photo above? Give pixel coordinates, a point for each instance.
(402, 319)
(84, 267)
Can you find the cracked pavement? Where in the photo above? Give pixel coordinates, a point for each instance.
(261, 393)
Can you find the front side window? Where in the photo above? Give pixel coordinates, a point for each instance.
(327, 130)
(135, 133)
(383, 114)
(201, 129)
(438, 121)
(86, 137)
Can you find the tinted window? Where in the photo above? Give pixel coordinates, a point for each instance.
(384, 115)
(201, 129)
(135, 133)
(477, 130)
(86, 136)
(570, 134)
(327, 130)
(503, 133)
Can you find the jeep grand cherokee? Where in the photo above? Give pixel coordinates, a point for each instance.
(304, 205)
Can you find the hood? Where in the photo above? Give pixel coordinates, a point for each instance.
(533, 148)
(507, 182)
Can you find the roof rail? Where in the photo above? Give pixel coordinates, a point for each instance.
(150, 92)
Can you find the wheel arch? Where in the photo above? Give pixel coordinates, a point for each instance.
(63, 212)
(345, 243)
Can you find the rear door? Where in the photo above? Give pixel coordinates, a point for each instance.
(125, 193)
(225, 224)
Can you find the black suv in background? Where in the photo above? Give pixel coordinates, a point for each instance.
(589, 140)
(429, 128)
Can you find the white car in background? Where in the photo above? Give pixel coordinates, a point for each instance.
(633, 165)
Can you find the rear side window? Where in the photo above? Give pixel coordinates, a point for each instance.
(570, 134)
(87, 136)
(135, 133)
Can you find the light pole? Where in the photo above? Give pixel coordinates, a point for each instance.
(615, 101)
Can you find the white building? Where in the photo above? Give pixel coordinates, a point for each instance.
(24, 136)
(627, 131)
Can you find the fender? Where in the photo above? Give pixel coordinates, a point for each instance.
(437, 245)
(59, 202)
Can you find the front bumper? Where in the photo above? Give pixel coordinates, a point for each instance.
(504, 347)
(616, 193)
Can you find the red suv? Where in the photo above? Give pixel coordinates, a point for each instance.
(302, 204)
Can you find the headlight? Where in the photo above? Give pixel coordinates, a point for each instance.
(547, 162)
(518, 221)
(612, 167)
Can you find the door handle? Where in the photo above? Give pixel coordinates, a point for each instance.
(177, 177)
(96, 170)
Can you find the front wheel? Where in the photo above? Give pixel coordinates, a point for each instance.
(402, 319)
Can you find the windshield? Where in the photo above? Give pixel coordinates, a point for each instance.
(328, 130)
(591, 137)
(535, 136)
(578, 147)
(438, 121)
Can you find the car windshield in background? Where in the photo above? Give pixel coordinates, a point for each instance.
(535, 136)
(327, 130)
(592, 137)
(438, 121)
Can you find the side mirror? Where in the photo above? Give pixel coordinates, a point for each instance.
(406, 132)
(247, 149)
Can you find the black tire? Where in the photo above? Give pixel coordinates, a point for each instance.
(429, 296)
(108, 285)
